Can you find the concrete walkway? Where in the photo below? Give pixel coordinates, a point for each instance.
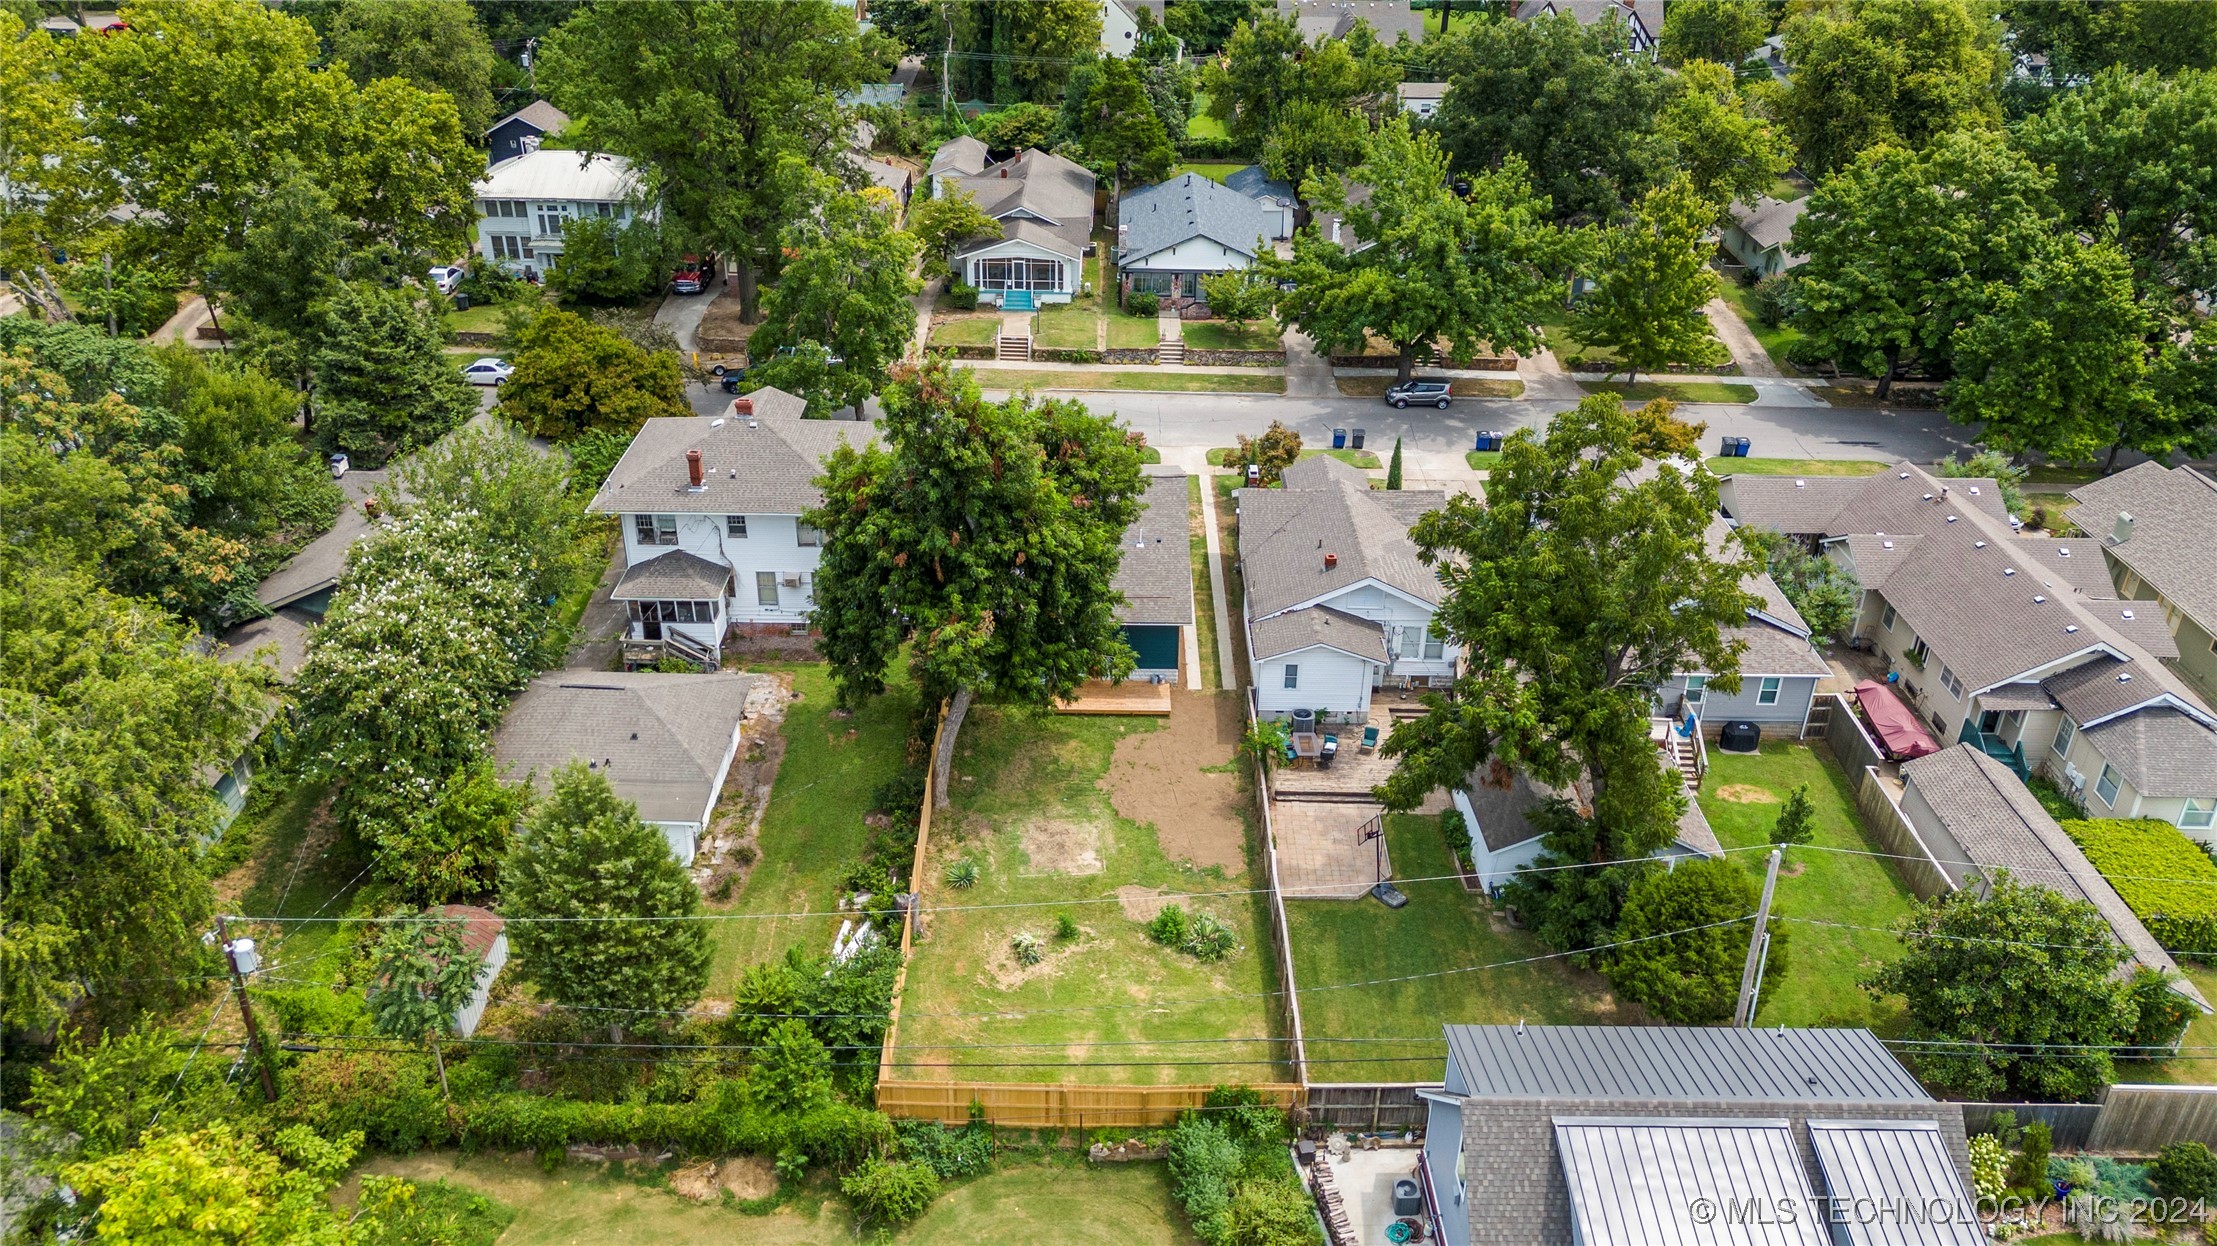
(185, 325)
(1543, 377)
(1308, 374)
(923, 301)
(681, 314)
(594, 646)
(1194, 459)
(1169, 326)
(1746, 350)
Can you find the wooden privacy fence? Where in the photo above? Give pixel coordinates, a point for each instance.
(1023, 1105)
(2069, 1124)
(909, 918)
(1281, 940)
(2131, 1119)
(1912, 858)
(1843, 730)
(1381, 1107)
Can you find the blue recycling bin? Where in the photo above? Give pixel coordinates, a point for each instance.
(1739, 447)
(1487, 441)
(1339, 439)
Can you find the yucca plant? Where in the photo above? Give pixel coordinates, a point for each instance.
(962, 875)
(1027, 948)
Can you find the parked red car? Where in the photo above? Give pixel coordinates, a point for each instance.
(693, 274)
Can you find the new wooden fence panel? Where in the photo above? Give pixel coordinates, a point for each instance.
(1912, 859)
(2070, 1124)
(1026, 1105)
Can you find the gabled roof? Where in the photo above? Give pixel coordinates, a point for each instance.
(284, 634)
(2101, 689)
(1663, 1064)
(661, 740)
(1647, 13)
(592, 177)
(1872, 1163)
(318, 564)
(677, 574)
(1636, 1181)
(538, 114)
(960, 155)
(1189, 206)
(481, 927)
(1767, 221)
(1502, 797)
(1775, 639)
(1156, 573)
(1255, 182)
(2173, 544)
(766, 465)
(1037, 184)
(1327, 507)
(1902, 500)
(2001, 825)
(2162, 752)
(1421, 90)
(1390, 20)
(1295, 630)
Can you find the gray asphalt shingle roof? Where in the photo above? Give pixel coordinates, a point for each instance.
(1671, 1063)
(1893, 502)
(546, 117)
(1296, 630)
(287, 630)
(1767, 221)
(1255, 182)
(1041, 184)
(1156, 574)
(2173, 546)
(2163, 753)
(1390, 20)
(2001, 825)
(677, 575)
(1502, 798)
(764, 466)
(660, 739)
(1327, 507)
(1186, 207)
(960, 156)
(318, 564)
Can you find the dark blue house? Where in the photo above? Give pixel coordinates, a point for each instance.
(520, 131)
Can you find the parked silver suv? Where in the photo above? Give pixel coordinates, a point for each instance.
(1422, 393)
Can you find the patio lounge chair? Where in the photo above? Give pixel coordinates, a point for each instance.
(1370, 740)
(1331, 750)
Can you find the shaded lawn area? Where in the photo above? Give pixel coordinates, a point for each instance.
(1576, 355)
(1228, 456)
(1129, 332)
(967, 331)
(1460, 386)
(813, 828)
(1204, 597)
(1797, 467)
(1217, 335)
(477, 318)
(1336, 942)
(1482, 460)
(2198, 1067)
(1193, 382)
(1776, 340)
(1214, 170)
(299, 864)
(1110, 1006)
(1680, 391)
(1201, 124)
(1742, 796)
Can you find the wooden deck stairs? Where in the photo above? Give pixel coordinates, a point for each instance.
(638, 651)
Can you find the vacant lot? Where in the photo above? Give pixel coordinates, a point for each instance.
(1742, 796)
(1560, 333)
(1057, 1199)
(813, 827)
(1201, 382)
(1060, 815)
(1371, 974)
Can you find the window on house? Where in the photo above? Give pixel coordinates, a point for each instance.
(1768, 693)
(1918, 651)
(1886, 620)
(1950, 682)
(765, 587)
(2106, 786)
(735, 525)
(656, 529)
(2063, 736)
(606, 209)
(1697, 687)
(1435, 647)
(2198, 815)
(808, 535)
(1293, 675)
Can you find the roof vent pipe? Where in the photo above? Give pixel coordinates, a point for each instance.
(693, 467)
(2122, 531)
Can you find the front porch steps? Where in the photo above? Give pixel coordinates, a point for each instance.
(1170, 352)
(1015, 340)
(1017, 348)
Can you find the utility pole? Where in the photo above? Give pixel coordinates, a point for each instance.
(107, 282)
(233, 954)
(1758, 948)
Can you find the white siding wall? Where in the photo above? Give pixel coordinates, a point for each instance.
(684, 838)
(1331, 681)
(1493, 868)
(1119, 32)
(1200, 255)
(1443, 1152)
(465, 1021)
(772, 544)
(1401, 618)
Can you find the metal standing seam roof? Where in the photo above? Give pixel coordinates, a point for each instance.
(591, 177)
(1156, 573)
(1636, 1181)
(764, 465)
(1188, 206)
(661, 740)
(2173, 546)
(1327, 507)
(1678, 1063)
(1872, 1167)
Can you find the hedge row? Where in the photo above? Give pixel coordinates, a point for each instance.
(2168, 880)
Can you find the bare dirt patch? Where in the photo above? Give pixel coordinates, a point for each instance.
(1179, 780)
(729, 848)
(1746, 794)
(1141, 904)
(1006, 973)
(1056, 846)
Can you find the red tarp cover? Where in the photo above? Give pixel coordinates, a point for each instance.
(1897, 726)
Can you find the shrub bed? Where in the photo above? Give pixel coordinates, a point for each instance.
(1065, 354)
(1237, 358)
(1231, 1172)
(2168, 880)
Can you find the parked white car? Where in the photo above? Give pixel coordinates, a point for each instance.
(488, 371)
(445, 279)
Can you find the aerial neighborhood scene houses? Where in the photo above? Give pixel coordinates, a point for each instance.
(1760, 235)
(1155, 578)
(523, 203)
(1045, 206)
(1642, 19)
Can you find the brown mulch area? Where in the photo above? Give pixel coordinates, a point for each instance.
(1158, 778)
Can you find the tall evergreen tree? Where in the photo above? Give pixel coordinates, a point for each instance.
(382, 374)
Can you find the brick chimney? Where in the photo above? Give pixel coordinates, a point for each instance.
(742, 406)
(693, 467)
(1331, 561)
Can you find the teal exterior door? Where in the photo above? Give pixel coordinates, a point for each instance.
(1156, 645)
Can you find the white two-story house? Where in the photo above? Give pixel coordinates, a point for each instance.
(524, 202)
(710, 508)
(1338, 603)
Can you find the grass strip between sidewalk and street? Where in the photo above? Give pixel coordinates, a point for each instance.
(1461, 387)
(1677, 391)
(1161, 381)
(1796, 467)
(1228, 456)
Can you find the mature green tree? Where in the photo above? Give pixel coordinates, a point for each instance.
(847, 288)
(2060, 363)
(2027, 978)
(1239, 295)
(1724, 31)
(1269, 81)
(605, 262)
(1437, 267)
(245, 473)
(219, 1185)
(1576, 590)
(1313, 137)
(726, 107)
(1564, 98)
(2081, 38)
(1889, 71)
(1726, 145)
(574, 376)
(1904, 247)
(102, 1095)
(1207, 25)
(1825, 593)
(404, 171)
(942, 223)
(451, 849)
(438, 45)
(1017, 127)
(288, 263)
(421, 977)
(382, 374)
(1654, 281)
(1021, 50)
(1691, 924)
(50, 187)
(983, 538)
(1114, 122)
(584, 853)
(109, 715)
(2135, 163)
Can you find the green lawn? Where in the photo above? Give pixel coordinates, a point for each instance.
(1129, 332)
(1461, 386)
(1576, 355)
(1193, 382)
(1204, 596)
(1217, 335)
(1482, 460)
(1215, 171)
(1110, 1006)
(1201, 124)
(1058, 1199)
(1824, 963)
(1680, 391)
(478, 318)
(1074, 325)
(1774, 340)
(1223, 456)
(1336, 942)
(2199, 1066)
(1797, 467)
(967, 331)
(298, 865)
(813, 828)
